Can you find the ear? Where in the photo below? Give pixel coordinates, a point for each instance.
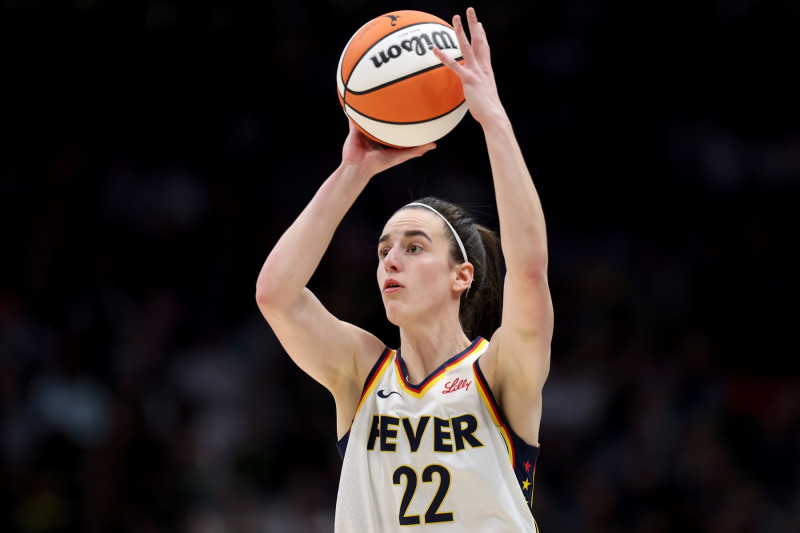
(463, 279)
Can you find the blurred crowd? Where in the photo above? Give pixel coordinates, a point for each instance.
(153, 152)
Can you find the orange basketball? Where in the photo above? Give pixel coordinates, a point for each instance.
(392, 86)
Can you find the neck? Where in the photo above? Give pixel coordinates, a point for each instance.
(425, 349)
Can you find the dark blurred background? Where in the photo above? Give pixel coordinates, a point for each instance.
(153, 152)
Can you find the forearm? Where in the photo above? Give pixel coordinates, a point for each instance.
(522, 224)
(297, 254)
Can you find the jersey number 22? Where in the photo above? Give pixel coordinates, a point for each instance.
(432, 515)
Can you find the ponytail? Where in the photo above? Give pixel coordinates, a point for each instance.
(482, 310)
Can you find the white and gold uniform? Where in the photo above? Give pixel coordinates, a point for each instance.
(435, 456)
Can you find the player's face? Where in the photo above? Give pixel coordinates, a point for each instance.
(415, 272)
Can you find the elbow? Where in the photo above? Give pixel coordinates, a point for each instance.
(537, 271)
(268, 294)
(263, 297)
(534, 273)
(276, 294)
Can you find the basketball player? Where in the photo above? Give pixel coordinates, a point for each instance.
(441, 433)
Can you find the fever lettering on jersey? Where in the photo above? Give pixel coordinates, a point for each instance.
(448, 434)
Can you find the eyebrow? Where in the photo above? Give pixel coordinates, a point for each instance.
(409, 233)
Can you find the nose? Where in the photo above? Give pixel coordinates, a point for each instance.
(391, 263)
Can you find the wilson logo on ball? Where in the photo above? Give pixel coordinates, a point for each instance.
(392, 86)
(439, 39)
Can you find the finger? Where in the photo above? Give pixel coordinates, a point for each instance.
(463, 42)
(424, 148)
(401, 155)
(479, 45)
(448, 61)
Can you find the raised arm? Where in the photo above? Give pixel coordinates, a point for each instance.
(520, 358)
(329, 350)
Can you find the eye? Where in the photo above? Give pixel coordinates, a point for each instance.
(414, 248)
(383, 252)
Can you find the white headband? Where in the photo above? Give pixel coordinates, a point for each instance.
(458, 239)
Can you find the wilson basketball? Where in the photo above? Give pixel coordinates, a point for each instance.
(392, 86)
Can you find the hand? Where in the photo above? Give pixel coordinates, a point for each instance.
(373, 157)
(476, 74)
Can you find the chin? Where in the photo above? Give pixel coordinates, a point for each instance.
(394, 313)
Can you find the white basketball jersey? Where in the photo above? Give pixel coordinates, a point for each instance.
(435, 456)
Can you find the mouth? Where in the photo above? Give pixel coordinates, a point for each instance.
(391, 285)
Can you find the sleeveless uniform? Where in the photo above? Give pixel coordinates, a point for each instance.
(434, 456)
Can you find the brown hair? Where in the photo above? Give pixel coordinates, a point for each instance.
(481, 306)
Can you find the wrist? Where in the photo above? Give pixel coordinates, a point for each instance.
(353, 172)
(497, 123)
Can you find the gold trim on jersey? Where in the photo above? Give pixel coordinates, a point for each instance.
(486, 397)
(375, 378)
(425, 386)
